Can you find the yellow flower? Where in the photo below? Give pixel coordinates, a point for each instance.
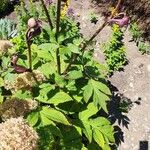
(65, 8)
(113, 11)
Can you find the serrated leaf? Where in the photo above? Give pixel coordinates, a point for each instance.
(100, 99)
(45, 121)
(22, 94)
(106, 147)
(87, 93)
(48, 46)
(33, 118)
(88, 132)
(45, 55)
(43, 93)
(55, 115)
(104, 126)
(61, 38)
(75, 74)
(101, 86)
(100, 121)
(71, 85)
(60, 80)
(98, 137)
(73, 48)
(60, 97)
(71, 139)
(90, 111)
(48, 69)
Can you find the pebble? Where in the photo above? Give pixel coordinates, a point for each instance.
(131, 85)
(148, 68)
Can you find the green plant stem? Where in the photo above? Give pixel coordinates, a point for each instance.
(84, 45)
(29, 50)
(29, 56)
(57, 32)
(47, 14)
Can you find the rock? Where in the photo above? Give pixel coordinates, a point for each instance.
(131, 85)
(148, 68)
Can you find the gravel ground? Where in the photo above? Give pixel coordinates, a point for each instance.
(133, 82)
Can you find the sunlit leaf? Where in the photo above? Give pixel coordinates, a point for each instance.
(55, 115)
(60, 97)
(33, 118)
(75, 74)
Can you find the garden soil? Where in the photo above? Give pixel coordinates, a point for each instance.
(133, 82)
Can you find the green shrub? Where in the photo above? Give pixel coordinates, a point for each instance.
(7, 29)
(144, 48)
(3, 5)
(135, 32)
(137, 37)
(114, 51)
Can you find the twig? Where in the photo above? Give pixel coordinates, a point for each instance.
(74, 56)
(47, 14)
(57, 32)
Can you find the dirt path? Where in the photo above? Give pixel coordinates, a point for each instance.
(133, 83)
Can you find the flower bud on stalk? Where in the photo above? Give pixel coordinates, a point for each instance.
(120, 20)
(34, 29)
(17, 68)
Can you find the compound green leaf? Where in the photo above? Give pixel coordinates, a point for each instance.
(101, 86)
(74, 48)
(87, 93)
(48, 46)
(33, 118)
(90, 111)
(55, 115)
(98, 137)
(75, 74)
(88, 131)
(60, 97)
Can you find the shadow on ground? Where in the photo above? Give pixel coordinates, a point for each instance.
(118, 108)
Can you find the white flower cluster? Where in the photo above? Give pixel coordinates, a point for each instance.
(16, 134)
(25, 81)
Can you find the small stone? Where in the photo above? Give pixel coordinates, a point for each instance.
(148, 68)
(131, 84)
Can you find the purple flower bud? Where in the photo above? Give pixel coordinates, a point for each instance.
(14, 59)
(70, 12)
(48, 2)
(17, 68)
(20, 69)
(124, 21)
(34, 28)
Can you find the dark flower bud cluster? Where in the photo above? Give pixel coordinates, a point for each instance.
(34, 28)
(17, 68)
